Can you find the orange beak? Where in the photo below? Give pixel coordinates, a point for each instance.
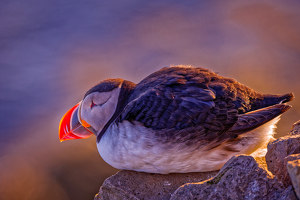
(70, 128)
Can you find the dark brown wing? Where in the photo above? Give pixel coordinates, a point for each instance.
(179, 99)
(195, 102)
(168, 107)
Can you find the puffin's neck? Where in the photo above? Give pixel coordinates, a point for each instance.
(126, 89)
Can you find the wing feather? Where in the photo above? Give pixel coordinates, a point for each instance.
(166, 107)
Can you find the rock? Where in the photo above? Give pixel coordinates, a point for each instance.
(278, 150)
(296, 128)
(285, 177)
(293, 168)
(138, 185)
(288, 194)
(240, 178)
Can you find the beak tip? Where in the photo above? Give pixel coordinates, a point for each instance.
(65, 131)
(64, 125)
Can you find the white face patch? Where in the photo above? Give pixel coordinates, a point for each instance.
(98, 107)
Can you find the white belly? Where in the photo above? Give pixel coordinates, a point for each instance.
(131, 146)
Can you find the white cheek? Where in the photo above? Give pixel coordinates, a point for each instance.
(106, 111)
(102, 98)
(98, 116)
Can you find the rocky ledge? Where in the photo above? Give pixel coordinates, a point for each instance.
(242, 177)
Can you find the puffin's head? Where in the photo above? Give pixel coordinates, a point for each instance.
(91, 114)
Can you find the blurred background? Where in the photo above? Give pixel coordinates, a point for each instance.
(51, 52)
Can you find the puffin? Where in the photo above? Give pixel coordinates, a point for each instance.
(179, 119)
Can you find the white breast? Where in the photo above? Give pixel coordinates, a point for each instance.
(132, 146)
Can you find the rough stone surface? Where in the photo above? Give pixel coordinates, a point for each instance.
(278, 150)
(240, 178)
(294, 172)
(285, 177)
(296, 128)
(137, 185)
(288, 194)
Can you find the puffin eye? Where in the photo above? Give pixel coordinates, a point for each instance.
(92, 104)
(99, 99)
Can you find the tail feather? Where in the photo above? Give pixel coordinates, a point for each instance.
(254, 119)
(287, 97)
(269, 100)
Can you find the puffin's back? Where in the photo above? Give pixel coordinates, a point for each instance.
(244, 98)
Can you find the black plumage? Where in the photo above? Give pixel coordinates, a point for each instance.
(181, 100)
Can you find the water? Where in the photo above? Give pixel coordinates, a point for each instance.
(51, 52)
